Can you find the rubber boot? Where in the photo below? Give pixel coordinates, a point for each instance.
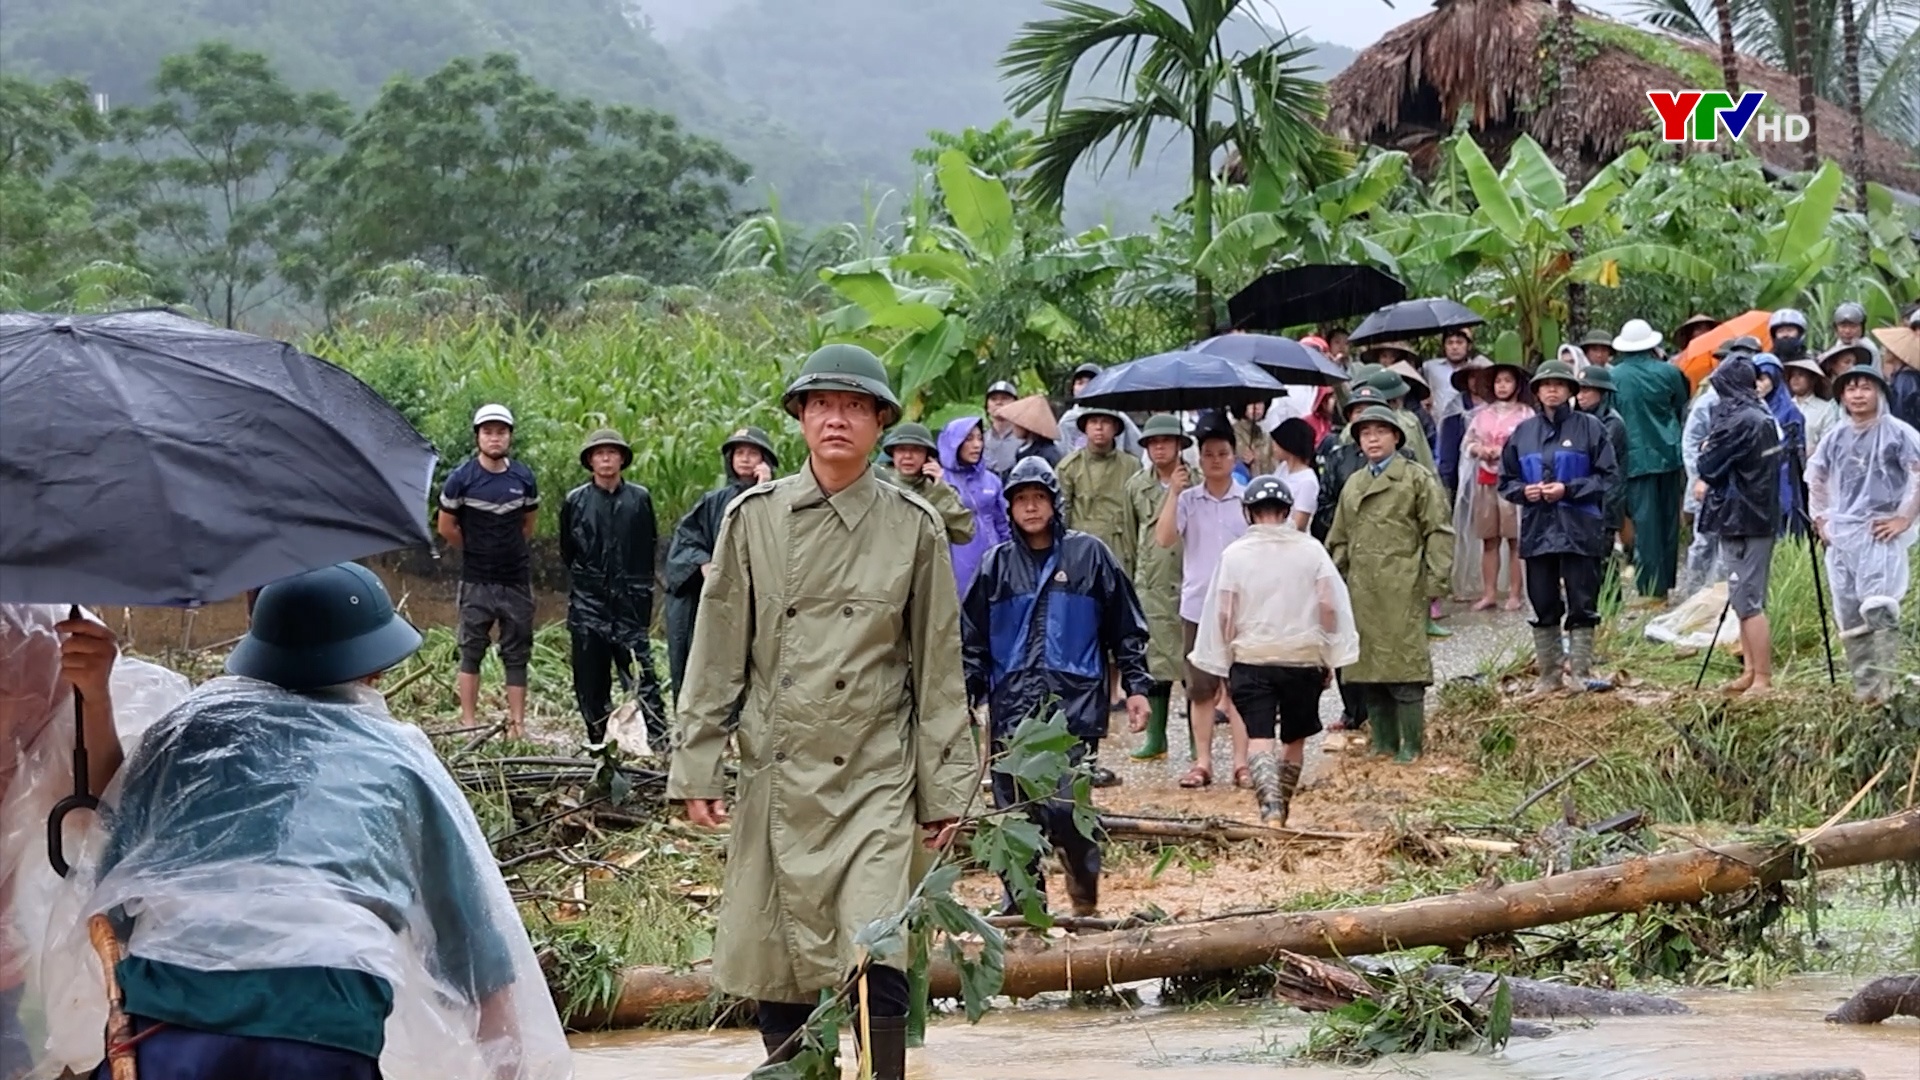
(1155, 747)
(1580, 662)
(1383, 722)
(1859, 647)
(1411, 718)
(1883, 648)
(1546, 649)
(889, 1046)
(1289, 783)
(1266, 787)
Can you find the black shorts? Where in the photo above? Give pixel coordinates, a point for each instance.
(484, 605)
(1287, 698)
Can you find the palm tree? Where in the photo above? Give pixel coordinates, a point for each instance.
(1800, 52)
(1176, 72)
(1567, 64)
(1729, 60)
(1856, 105)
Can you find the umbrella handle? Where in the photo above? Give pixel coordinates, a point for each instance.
(82, 798)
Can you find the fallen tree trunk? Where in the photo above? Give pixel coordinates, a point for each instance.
(1895, 995)
(1095, 961)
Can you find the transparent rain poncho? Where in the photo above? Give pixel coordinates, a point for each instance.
(1860, 474)
(36, 771)
(1272, 583)
(259, 828)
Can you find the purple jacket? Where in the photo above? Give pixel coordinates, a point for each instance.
(979, 491)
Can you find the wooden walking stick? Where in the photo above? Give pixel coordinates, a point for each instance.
(120, 1058)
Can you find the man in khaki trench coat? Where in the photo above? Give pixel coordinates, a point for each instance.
(830, 614)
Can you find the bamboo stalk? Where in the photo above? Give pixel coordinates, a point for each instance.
(121, 1063)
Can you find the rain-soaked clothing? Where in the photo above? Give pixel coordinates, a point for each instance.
(1253, 446)
(1652, 396)
(692, 548)
(1392, 539)
(608, 541)
(1740, 461)
(1862, 473)
(1615, 502)
(1791, 426)
(1156, 578)
(1338, 459)
(954, 515)
(978, 487)
(1264, 606)
(1093, 497)
(1821, 415)
(37, 905)
(833, 619)
(1562, 542)
(301, 867)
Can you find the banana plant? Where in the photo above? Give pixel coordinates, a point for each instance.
(969, 294)
(1800, 245)
(1514, 252)
(1286, 222)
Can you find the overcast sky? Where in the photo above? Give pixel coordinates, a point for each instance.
(1359, 23)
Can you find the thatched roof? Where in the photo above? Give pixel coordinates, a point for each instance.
(1406, 90)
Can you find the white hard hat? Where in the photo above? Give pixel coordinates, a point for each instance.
(492, 414)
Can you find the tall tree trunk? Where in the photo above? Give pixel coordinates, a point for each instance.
(1729, 60)
(1856, 104)
(1570, 162)
(1802, 60)
(1202, 226)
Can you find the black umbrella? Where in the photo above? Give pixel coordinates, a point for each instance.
(148, 459)
(1315, 293)
(1179, 381)
(1412, 318)
(1282, 357)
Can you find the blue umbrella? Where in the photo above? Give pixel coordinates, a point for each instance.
(1286, 359)
(1179, 381)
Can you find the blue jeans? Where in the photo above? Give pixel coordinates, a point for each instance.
(178, 1053)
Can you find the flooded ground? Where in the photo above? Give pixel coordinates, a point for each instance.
(1729, 1035)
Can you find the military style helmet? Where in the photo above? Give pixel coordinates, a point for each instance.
(1002, 386)
(1366, 395)
(1597, 377)
(1390, 384)
(1555, 370)
(1787, 317)
(844, 367)
(1745, 343)
(1089, 412)
(1088, 369)
(910, 435)
(1853, 375)
(323, 628)
(605, 437)
(1378, 414)
(1164, 426)
(1028, 472)
(750, 436)
(1850, 312)
(1266, 491)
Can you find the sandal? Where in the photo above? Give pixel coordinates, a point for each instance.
(1197, 777)
(1243, 777)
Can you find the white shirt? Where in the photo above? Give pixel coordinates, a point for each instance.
(1305, 487)
(1263, 605)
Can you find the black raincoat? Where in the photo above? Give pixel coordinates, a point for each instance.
(608, 541)
(1561, 445)
(1615, 503)
(692, 548)
(1040, 624)
(1740, 461)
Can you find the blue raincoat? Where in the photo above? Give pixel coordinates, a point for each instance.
(979, 491)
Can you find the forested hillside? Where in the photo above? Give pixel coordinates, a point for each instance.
(824, 98)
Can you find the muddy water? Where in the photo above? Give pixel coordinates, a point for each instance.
(1729, 1035)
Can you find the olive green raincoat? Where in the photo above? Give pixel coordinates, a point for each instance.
(1392, 540)
(836, 620)
(1094, 500)
(954, 514)
(1156, 578)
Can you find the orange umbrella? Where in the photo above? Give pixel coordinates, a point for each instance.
(1033, 413)
(1696, 360)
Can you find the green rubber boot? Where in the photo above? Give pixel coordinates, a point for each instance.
(1411, 718)
(1155, 747)
(1383, 721)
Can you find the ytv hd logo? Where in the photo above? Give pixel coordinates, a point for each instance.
(1699, 114)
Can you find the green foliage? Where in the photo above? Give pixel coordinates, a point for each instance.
(48, 222)
(479, 169)
(214, 173)
(1409, 1014)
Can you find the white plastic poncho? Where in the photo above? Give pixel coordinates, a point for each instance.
(36, 771)
(1860, 474)
(1276, 599)
(261, 828)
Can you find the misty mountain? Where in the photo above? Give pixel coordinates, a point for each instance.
(826, 98)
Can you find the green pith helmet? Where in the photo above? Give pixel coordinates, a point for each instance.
(749, 436)
(1597, 377)
(1390, 384)
(844, 367)
(323, 628)
(1597, 337)
(1378, 414)
(1164, 426)
(1363, 395)
(1092, 411)
(1554, 370)
(1358, 374)
(910, 435)
(605, 437)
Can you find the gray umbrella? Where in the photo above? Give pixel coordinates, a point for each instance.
(149, 459)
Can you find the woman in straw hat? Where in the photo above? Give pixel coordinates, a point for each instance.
(1807, 381)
